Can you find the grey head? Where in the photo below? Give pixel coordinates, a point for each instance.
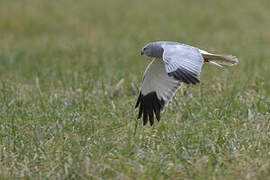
(153, 50)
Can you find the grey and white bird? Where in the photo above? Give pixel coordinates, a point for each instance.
(173, 64)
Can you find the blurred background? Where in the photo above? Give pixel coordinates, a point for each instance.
(52, 40)
(69, 78)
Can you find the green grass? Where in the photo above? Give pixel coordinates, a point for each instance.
(69, 77)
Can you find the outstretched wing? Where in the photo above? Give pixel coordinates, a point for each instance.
(157, 89)
(184, 63)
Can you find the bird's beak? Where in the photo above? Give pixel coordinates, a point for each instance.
(141, 53)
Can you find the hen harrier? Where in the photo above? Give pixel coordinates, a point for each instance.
(173, 64)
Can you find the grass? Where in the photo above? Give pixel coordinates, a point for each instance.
(69, 77)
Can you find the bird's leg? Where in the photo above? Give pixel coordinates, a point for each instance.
(206, 60)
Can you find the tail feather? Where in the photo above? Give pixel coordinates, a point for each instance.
(222, 59)
(228, 60)
(212, 62)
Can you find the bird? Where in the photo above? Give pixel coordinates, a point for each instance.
(172, 65)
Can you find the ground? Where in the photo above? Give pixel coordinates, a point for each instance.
(69, 79)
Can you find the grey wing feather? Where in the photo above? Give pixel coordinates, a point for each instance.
(182, 62)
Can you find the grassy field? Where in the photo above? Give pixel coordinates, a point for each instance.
(69, 78)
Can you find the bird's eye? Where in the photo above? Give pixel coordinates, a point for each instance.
(144, 49)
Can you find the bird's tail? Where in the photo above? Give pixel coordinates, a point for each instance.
(219, 59)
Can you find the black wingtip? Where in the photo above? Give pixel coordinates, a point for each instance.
(138, 101)
(149, 105)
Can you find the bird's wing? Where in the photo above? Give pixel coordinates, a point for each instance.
(184, 63)
(157, 89)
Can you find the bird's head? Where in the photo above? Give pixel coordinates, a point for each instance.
(146, 50)
(152, 50)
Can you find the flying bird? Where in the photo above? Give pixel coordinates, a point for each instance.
(173, 64)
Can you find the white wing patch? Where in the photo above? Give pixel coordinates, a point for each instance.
(156, 79)
(157, 89)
